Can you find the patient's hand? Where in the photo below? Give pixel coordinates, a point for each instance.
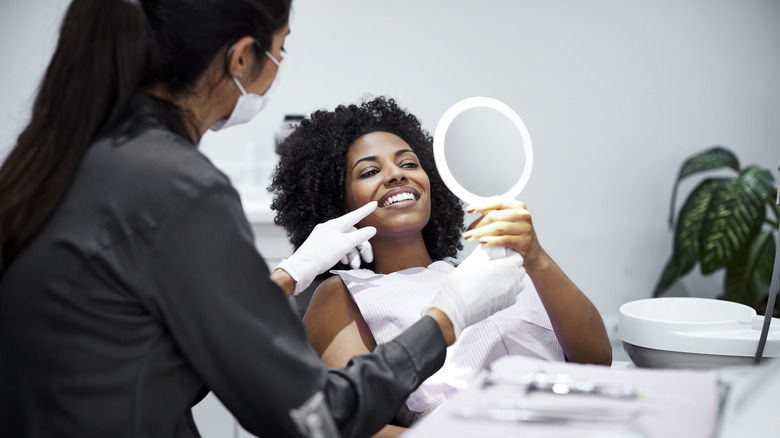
(576, 321)
(505, 222)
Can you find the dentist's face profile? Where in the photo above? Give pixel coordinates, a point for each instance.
(270, 69)
(382, 167)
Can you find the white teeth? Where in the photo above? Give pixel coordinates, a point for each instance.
(397, 198)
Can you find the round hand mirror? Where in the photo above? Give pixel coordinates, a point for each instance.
(477, 150)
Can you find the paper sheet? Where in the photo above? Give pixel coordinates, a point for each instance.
(671, 403)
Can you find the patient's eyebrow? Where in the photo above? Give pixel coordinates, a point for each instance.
(374, 158)
(369, 158)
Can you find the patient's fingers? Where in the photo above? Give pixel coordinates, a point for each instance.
(520, 243)
(495, 216)
(494, 203)
(501, 228)
(517, 236)
(510, 228)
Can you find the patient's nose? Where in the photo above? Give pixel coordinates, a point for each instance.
(395, 175)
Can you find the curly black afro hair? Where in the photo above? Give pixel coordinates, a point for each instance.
(308, 183)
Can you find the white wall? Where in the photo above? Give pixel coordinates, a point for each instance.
(28, 32)
(615, 95)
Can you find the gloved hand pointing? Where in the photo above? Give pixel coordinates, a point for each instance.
(329, 242)
(479, 287)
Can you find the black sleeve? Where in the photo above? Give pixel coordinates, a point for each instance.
(239, 331)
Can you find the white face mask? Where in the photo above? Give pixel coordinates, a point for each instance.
(249, 104)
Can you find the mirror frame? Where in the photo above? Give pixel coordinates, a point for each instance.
(439, 141)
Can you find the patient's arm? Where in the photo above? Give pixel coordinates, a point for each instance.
(336, 328)
(576, 321)
(578, 326)
(338, 331)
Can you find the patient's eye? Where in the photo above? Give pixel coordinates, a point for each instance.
(368, 172)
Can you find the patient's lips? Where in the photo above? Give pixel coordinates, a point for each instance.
(402, 197)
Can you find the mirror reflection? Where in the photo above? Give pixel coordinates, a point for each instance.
(482, 148)
(484, 151)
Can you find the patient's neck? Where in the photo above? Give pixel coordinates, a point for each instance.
(391, 255)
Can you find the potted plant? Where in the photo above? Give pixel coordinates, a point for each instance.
(724, 224)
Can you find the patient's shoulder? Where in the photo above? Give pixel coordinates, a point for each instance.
(334, 322)
(330, 296)
(331, 286)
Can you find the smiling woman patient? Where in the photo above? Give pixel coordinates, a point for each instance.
(337, 161)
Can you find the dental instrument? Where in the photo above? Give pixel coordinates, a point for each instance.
(774, 289)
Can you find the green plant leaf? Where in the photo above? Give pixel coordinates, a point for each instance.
(690, 222)
(748, 276)
(716, 157)
(774, 206)
(737, 283)
(685, 253)
(733, 218)
(760, 183)
(760, 264)
(668, 277)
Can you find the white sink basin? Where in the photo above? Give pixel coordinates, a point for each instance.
(681, 332)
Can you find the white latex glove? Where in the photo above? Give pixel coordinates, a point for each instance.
(329, 242)
(479, 287)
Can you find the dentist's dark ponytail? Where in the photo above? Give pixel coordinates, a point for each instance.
(96, 67)
(108, 49)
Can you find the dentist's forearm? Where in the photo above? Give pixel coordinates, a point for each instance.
(444, 323)
(283, 280)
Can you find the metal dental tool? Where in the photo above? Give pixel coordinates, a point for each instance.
(562, 384)
(774, 289)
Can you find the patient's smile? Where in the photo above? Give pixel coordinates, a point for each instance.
(400, 198)
(382, 167)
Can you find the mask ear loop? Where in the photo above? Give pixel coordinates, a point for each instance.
(238, 84)
(272, 58)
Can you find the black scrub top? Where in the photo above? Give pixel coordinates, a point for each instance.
(144, 290)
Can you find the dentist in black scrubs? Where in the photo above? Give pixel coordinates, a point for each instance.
(130, 285)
